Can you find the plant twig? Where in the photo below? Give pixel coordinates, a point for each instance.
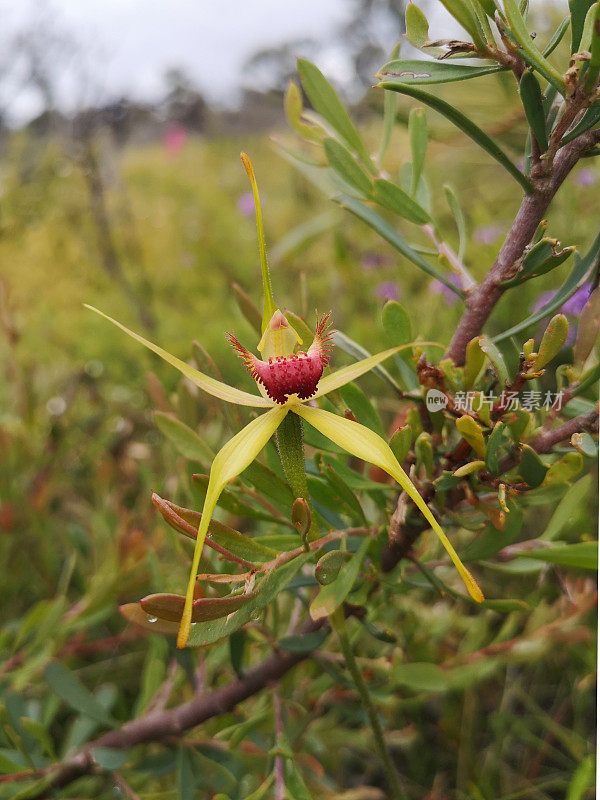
(481, 302)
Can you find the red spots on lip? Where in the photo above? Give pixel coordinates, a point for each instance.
(294, 374)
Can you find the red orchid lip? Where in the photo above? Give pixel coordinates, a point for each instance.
(296, 374)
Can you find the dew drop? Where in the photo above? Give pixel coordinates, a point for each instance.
(152, 619)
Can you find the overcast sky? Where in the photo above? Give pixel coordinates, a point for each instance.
(130, 43)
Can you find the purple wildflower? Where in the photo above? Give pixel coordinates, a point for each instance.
(573, 306)
(245, 204)
(371, 261)
(388, 290)
(487, 234)
(586, 177)
(450, 297)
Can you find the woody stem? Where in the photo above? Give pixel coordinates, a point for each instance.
(290, 444)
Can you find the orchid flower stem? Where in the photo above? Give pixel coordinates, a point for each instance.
(290, 444)
(338, 622)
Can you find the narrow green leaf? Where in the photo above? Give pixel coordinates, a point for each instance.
(247, 307)
(585, 445)
(390, 111)
(384, 229)
(304, 644)
(532, 469)
(187, 781)
(344, 494)
(401, 441)
(391, 196)
(333, 594)
(589, 119)
(407, 72)
(342, 161)
(110, 758)
(472, 433)
(187, 441)
(536, 57)
(474, 361)
(326, 102)
(417, 130)
(464, 15)
(593, 70)
(296, 789)
(568, 509)
(582, 268)
(582, 781)
(582, 555)
(496, 358)
(420, 677)
(553, 341)
(494, 442)
(558, 36)
(488, 6)
(579, 10)
(293, 107)
(531, 97)
(70, 689)
(204, 633)
(459, 219)
(396, 324)
(417, 27)
(462, 122)
(541, 258)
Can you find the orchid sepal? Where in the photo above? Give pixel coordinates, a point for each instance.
(363, 443)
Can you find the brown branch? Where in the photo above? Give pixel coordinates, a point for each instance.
(545, 441)
(163, 725)
(481, 301)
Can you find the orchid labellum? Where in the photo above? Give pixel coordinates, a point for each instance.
(289, 380)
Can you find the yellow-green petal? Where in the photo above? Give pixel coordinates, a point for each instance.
(363, 443)
(205, 382)
(230, 461)
(347, 374)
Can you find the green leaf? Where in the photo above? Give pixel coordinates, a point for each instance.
(325, 101)
(392, 197)
(342, 161)
(420, 677)
(579, 10)
(474, 361)
(563, 470)
(187, 781)
(304, 643)
(170, 606)
(401, 441)
(593, 70)
(333, 594)
(532, 469)
(568, 508)
(464, 124)
(472, 433)
(582, 555)
(539, 259)
(465, 16)
(589, 119)
(294, 782)
(343, 494)
(362, 408)
(69, 688)
(494, 442)
(187, 441)
(417, 130)
(531, 97)
(496, 358)
(492, 540)
(293, 108)
(247, 307)
(459, 219)
(585, 445)
(535, 56)
(396, 324)
(109, 758)
(557, 36)
(187, 522)
(553, 341)
(583, 780)
(417, 27)
(403, 72)
(385, 230)
(582, 268)
(204, 633)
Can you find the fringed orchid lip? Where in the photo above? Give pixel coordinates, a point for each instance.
(295, 374)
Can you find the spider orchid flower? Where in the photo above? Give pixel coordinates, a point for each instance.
(288, 382)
